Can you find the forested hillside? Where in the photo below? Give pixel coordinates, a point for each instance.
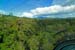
(20, 33)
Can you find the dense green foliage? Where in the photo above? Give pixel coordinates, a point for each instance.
(20, 33)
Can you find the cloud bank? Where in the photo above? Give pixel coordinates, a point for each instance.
(55, 9)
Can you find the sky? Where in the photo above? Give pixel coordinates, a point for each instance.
(37, 8)
(22, 5)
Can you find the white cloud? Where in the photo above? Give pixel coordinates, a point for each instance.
(2, 12)
(63, 2)
(26, 14)
(49, 10)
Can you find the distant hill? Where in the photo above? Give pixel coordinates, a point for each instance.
(20, 33)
